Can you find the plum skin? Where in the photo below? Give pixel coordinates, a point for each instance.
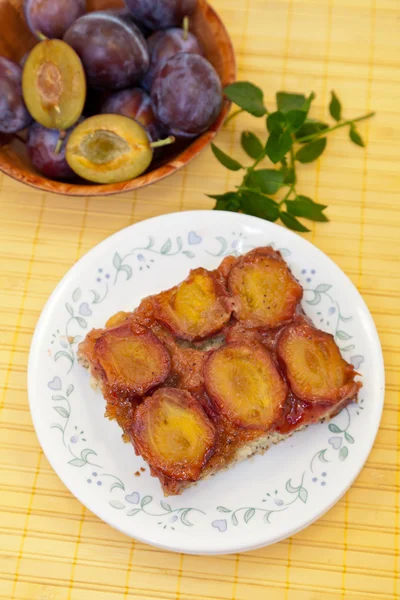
(187, 95)
(14, 115)
(111, 47)
(135, 104)
(163, 45)
(161, 14)
(41, 147)
(52, 17)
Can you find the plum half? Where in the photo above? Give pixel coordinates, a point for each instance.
(265, 293)
(135, 104)
(314, 366)
(173, 434)
(54, 84)
(132, 359)
(110, 148)
(196, 308)
(13, 113)
(245, 385)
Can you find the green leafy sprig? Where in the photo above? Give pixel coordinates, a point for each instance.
(293, 137)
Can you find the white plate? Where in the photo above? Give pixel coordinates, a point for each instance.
(258, 502)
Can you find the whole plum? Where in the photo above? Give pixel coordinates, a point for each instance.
(52, 18)
(187, 95)
(47, 151)
(13, 113)
(136, 104)
(163, 45)
(161, 14)
(111, 47)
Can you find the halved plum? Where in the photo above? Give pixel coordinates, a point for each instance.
(110, 148)
(132, 359)
(315, 368)
(173, 434)
(265, 293)
(54, 84)
(245, 385)
(196, 308)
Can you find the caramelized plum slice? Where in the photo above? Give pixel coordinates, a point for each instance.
(54, 84)
(265, 294)
(194, 309)
(315, 368)
(173, 434)
(244, 383)
(132, 359)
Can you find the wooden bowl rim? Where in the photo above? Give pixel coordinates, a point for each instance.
(39, 182)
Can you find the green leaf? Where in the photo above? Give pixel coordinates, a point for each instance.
(260, 206)
(287, 102)
(276, 122)
(70, 389)
(252, 145)
(249, 514)
(229, 201)
(342, 335)
(303, 206)
(335, 108)
(268, 181)
(356, 137)
(321, 456)
(184, 518)
(316, 300)
(76, 295)
(62, 354)
(278, 145)
(57, 426)
(165, 506)
(289, 175)
(234, 519)
(311, 151)
(290, 488)
(117, 504)
(247, 96)
(58, 398)
(267, 516)
(96, 297)
(117, 261)
(303, 494)
(146, 500)
(310, 127)
(117, 484)
(166, 247)
(349, 438)
(344, 452)
(223, 509)
(188, 253)
(133, 512)
(179, 243)
(292, 223)
(225, 160)
(69, 309)
(295, 119)
(334, 428)
(323, 287)
(77, 462)
(82, 322)
(307, 105)
(61, 411)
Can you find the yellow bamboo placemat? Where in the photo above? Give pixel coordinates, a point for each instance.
(51, 547)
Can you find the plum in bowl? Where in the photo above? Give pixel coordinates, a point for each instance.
(18, 39)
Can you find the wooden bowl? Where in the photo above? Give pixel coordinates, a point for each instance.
(16, 39)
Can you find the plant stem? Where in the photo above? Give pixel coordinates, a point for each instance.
(161, 143)
(291, 189)
(233, 115)
(185, 27)
(323, 132)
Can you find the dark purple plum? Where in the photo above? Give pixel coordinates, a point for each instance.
(45, 156)
(187, 95)
(13, 112)
(52, 18)
(161, 14)
(136, 104)
(111, 47)
(163, 45)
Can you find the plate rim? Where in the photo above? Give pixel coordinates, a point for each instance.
(226, 547)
